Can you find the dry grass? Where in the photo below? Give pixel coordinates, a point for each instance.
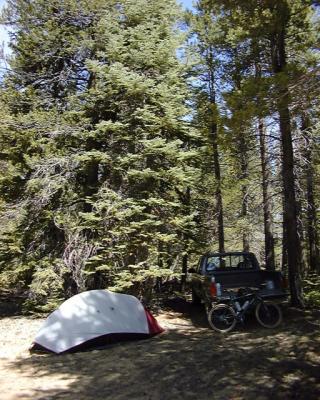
(188, 361)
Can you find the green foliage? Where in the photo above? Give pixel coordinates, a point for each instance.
(47, 289)
(111, 131)
(311, 288)
(102, 153)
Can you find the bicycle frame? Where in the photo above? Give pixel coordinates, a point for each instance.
(252, 297)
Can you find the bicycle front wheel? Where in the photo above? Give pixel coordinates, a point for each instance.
(268, 314)
(222, 318)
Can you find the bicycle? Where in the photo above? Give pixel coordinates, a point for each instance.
(232, 308)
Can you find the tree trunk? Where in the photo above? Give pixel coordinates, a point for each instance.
(216, 162)
(184, 272)
(301, 231)
(185, 200)
(244, 190)
(284, 261)
(290, 214)
(244, 170)
(245, 237)
(312, 233)
(218, 193)
(267, 206)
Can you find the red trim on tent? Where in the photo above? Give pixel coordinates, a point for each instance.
(154, 327)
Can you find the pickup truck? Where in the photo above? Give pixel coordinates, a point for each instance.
(217, 272)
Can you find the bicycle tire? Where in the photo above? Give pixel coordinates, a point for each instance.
(222, 318)
(268, 314)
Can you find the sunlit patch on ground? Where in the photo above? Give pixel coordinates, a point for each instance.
(188, 361)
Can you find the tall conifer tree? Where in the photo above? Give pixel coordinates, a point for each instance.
(98, 99)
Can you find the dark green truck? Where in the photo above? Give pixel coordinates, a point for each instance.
(218, 272)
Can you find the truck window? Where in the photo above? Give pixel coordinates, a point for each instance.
(232, 261)
(213, 263)
(241, 262)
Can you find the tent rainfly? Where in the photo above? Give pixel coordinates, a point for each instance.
(95, 318)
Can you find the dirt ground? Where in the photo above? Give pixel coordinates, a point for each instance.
(188, 361)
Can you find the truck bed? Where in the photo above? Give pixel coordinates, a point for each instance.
(253, 278)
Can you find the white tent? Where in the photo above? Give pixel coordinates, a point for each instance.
(95, 317)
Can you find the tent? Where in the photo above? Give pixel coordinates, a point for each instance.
(95, 318)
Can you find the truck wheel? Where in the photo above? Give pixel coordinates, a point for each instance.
(195, 299)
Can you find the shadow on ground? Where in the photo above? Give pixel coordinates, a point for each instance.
(191, 363)
(10, 305)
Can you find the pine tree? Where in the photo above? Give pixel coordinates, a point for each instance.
(137, 106)
(206, 72)
(283, 23)
(109, 154)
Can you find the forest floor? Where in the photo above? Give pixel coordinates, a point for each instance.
(187, 361)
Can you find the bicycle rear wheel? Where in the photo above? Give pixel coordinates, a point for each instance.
(268, 314)
(222, 318)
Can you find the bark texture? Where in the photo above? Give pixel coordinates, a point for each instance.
(290, 212)
(267, 206)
